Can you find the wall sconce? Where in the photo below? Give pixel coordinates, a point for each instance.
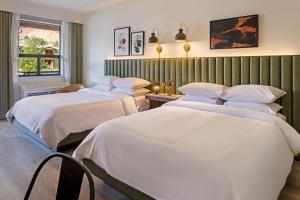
(155, 40)
(183, 37)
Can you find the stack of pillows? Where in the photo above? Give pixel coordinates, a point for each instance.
(203, 92)
(131, 86)
(252, 97)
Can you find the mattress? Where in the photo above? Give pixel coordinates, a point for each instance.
(53, 117)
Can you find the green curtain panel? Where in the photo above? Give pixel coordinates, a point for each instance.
(5, 62)
(76, 52)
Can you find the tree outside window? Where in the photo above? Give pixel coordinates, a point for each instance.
(39, 49)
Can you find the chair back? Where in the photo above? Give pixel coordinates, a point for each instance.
(70, 178)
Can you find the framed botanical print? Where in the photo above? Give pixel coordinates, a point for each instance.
(122, 41)
(137, 43)
(238, 32)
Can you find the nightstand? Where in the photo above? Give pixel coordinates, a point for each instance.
(157, 100)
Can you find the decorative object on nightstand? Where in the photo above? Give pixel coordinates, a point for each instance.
(156, 88)
(169, 87)
(183, 37)
(157, 100)
(155, 40)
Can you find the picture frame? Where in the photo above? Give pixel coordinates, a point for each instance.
(138, 43)
(122, 41)
(236, 32)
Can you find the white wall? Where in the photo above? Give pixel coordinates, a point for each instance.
(278, 29)
(39, 11)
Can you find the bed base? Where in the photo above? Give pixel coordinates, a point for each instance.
(70, 142)
(127, 190)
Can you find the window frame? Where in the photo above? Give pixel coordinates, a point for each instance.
(40, 56)
(38, 67)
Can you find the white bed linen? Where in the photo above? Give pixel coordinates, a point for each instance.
(142, 103)
(53, 117)
(193, 150)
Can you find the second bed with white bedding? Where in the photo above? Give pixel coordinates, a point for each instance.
(189, 150)
(53, 117)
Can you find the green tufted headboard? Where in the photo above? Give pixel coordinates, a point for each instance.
(278, 71)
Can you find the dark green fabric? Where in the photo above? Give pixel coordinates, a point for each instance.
(296, 92)
(278, 71)
(76, 54)
(227, 72)
(5, 62)
(236, 71)
(287, 85)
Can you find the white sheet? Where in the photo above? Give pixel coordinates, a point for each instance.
(142, 103)
(190, 150)
(55, 116)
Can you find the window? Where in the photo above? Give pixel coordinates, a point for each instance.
(39, 48)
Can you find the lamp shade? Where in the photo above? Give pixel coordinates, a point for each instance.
(180, 36)
(153, 39)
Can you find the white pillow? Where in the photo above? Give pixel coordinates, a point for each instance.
(132, 83)
(132, 92)
(272, 108)
(201, 99)
(208, 90)
(103, 87)
(253, 94)
(105, 82)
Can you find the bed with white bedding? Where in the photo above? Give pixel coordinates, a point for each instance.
(192, 150)
(54, 117)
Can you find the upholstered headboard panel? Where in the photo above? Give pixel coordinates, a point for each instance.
(278, 71)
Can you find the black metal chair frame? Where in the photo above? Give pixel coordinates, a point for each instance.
(69, 185)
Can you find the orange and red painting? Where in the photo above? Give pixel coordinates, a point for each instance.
(239, 32)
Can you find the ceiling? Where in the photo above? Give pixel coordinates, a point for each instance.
(82, 6)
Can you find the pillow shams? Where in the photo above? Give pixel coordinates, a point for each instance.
(272, 108)
(132, 92)
(207, 90)
(201, 99)
(103, 87)
(253, 94)
(132, 83)
(105, 82)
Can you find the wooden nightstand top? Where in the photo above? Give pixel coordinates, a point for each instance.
(162, 97)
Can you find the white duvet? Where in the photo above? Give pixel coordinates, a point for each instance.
(53, 117)
(196, 151)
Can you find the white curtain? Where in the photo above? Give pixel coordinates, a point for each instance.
(15, 57)
(65, 52)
